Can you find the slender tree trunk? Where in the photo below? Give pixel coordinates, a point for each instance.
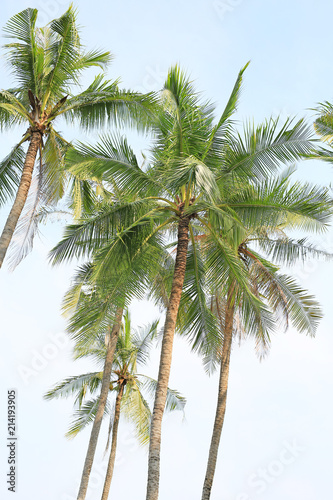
(112, 458)
(21, 195)
(101, 405)
(165, 360)
(222, 397)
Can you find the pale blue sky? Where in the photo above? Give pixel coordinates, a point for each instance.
(282, 402)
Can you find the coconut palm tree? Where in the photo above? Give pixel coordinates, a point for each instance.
(47, 64)
(96, 307)
(194, 183)
(130, 389)
(285, 299)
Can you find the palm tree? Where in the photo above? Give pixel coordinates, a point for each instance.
(193, 184)
(130, 388)
(47, 64)
(95, 305)
(284, 299)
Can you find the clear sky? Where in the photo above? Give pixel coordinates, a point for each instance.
(277, 438)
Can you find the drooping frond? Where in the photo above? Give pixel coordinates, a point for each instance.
(288, 251)
(275, 201)
(54, 175)
(174, 400)
(136, 410)
(113, 161)
(10, 169)
(77, 386)
(12, 111)
(195, 317)
(27, 227)
(104, 103)
(84, 416)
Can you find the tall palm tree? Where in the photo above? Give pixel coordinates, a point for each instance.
(131, 390)
(46, 64)
(193, 184)
(95, 305)
(285, 301)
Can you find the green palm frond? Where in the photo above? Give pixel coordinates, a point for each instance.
(95, 230)
(65, 52)
(222, 131)
(84, 416)
(265, 148)
(324, 123)
(288, 251)
(136, 410)
(24, 55)
(53, 165)
(112, 160)
(174, 400)
(304, 310)
(195, 317)
(104, 103)
(10, 169)
(12, 111)
(77, 386)
(142, 339)
(306, 206)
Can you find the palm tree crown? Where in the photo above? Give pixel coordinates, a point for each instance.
(132, 390)
(47, 64)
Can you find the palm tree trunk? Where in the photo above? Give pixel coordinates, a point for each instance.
(101, 405)
(165, 360)
(222, 396)
(109, 472)
(21, 195)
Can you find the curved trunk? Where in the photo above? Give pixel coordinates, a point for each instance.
(222, 397)
(165, 360)
(101, 405)
(109, 472)
(21, 195)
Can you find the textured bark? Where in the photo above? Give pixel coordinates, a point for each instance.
(101, 405)
(21, 195)
(165, 360)
(112, 458)
(222, 398)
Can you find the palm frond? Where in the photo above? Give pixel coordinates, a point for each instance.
(174, 400)
(265, 148)
(10, 173)
(23, 54)
(84, 416)
(222, 131)
(136, 410)
(77, 386)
